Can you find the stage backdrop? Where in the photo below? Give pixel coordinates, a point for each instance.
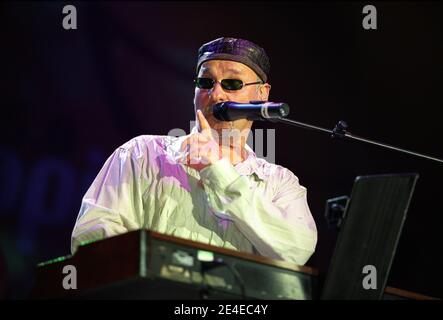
(70, 97)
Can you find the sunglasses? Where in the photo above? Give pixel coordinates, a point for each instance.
(227, 84)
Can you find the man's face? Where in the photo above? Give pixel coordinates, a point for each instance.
(218, 70)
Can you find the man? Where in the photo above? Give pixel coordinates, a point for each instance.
(205, 187)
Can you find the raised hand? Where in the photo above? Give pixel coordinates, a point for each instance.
(200, 149)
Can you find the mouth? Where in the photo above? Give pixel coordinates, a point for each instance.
(207, 112)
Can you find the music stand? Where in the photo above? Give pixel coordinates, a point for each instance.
(368, 237)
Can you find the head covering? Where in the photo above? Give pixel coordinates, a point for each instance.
(239, 50)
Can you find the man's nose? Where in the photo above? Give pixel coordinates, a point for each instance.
(217, 93)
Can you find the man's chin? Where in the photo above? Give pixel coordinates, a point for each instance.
(222, 125)
(216, 124)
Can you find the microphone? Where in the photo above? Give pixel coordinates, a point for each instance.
(254, 110)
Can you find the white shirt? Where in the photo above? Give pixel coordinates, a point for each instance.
(254, 206)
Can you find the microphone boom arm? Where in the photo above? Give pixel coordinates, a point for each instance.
(340, 131)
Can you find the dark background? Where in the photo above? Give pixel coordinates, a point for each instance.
(70, 97)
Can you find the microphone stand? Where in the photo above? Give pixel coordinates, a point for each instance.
(340, 131)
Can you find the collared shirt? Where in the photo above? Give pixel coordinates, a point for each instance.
(254, 206)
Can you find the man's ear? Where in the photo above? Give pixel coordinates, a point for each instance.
(265, 89)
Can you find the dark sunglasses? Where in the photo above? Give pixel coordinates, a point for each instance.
(227, 84)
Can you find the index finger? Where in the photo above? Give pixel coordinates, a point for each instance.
(204, 125)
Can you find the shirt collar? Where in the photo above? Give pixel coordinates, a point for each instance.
(251, 165)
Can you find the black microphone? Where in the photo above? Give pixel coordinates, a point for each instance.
(254, 110)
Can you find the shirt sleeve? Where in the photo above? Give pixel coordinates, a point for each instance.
(111, 203)
(279, 228)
